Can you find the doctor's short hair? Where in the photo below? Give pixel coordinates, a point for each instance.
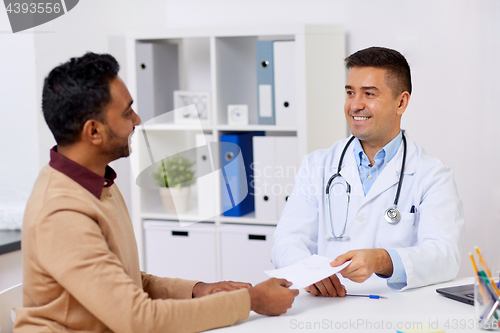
(395, 63)
(77, 91)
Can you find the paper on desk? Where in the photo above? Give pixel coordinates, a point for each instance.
(307, 272)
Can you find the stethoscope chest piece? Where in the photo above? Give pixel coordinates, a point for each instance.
(392, 215)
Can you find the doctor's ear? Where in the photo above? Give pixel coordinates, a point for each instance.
(403, 100)
(92, 131)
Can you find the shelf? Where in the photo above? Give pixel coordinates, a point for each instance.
(192, 216)
(246, 219)
(223, 62)
(189, 216)
(235, 128)
(175, 127)
(266, 128)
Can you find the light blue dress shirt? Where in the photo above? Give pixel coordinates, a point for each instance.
(368, 176)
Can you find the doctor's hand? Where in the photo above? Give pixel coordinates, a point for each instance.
(203, 289)
(272, 297)
(329, 287)
(364, 263)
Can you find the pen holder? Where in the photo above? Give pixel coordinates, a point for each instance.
(486, 303)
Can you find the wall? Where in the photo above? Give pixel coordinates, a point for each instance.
(453, 49)
(18, 129)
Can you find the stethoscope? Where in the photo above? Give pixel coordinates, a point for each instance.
(391, 215)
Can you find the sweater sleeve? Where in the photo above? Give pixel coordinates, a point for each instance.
(164, 287)
(72, 248)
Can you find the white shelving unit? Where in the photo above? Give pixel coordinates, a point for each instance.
(223, 62)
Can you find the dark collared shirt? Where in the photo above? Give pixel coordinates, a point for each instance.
(91, 181)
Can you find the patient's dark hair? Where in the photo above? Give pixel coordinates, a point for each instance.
(75, 92)
(398, 76)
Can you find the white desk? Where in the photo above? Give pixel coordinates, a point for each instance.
(355, 314)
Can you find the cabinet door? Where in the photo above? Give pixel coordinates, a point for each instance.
(183, 252)
(246, 252)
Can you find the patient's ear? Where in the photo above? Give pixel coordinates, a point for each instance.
(93, 131)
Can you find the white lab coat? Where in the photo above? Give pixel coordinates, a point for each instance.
(428, 241)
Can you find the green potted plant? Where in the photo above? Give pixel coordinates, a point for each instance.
(174, 176)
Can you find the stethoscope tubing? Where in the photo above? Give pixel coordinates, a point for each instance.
(348, 189)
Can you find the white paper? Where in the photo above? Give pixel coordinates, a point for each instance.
(307, 272)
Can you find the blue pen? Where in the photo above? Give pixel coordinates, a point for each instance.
(369, 296)
(412, 210)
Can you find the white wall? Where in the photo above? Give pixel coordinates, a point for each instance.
(18, 134)
(453, 47)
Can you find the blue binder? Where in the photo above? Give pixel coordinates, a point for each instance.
(265, 83)
(236, 161)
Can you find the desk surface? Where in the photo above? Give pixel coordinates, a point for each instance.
(10, 241)
(421, 306)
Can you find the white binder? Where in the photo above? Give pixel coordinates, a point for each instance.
(287, 166)
(205, 183)
(145, 81)
(157, 78)
(264, 152)
(284, 83)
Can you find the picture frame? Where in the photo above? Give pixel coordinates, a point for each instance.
(201, 101)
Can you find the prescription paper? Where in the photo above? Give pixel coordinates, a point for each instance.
(307, 272)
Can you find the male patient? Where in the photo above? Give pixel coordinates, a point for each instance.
(81, 267)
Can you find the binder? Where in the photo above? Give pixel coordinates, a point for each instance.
(205, 179)
(287, 166)
(284, 83)
(157, 78)
(264, 153)
(275, 166)
(236, 161)
(265, 83)
(145, 81)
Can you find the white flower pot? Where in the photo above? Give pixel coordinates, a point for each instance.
(175, 199)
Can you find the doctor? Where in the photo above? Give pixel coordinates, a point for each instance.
(417, 245)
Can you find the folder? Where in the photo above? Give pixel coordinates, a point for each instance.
(236, 167)
(287, 166)
(157, 78)
(264, 155)
(145, 81)
(284, 83)
(205, 179)
(275, 166)
(265, 83)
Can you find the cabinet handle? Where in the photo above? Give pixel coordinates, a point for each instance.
(257, 237)
(180, 233)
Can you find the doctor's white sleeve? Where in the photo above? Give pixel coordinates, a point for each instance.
(296, 235)
(436, 256)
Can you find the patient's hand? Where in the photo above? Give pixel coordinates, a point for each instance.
(329, 287)
(203, 289)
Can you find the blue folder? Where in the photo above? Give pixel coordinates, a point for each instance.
(265, 83)
(236, 161)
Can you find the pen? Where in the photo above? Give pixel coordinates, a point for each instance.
(369, 296)
(477, 275)
(412, 210)
(487, 270)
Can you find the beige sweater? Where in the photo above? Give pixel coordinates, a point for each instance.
(81, 270)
